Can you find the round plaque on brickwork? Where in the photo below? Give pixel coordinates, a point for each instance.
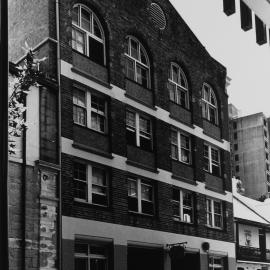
(157, 15)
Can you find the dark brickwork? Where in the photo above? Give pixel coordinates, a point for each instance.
(118, 213)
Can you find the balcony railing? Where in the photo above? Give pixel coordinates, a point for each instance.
(253, 254)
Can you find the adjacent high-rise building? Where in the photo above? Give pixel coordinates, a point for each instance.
(249, 138)
(126, 163)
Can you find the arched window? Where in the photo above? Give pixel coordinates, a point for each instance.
(178, 86)
(209, 104)
(137, 62)
(87, 34)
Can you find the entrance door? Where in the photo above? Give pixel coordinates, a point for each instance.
(191, 261)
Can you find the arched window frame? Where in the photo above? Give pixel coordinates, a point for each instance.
(135, 63)
(178, 86)
(209, 104)
(94, 27)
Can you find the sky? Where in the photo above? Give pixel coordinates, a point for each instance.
(247, 63)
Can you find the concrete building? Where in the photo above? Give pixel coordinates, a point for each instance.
(126, 161)
(249, 138)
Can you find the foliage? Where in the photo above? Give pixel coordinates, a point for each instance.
(26, 75)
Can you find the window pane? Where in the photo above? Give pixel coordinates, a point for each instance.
(75, 15)
(97, 122)
(146, 192)
(174, 151)
(176, 194)
(187, 199)
(174, 137)
(183, 98)
(183, 81)
(86, 20)
(185, 156)
(133, 204)
(97, 30)
(97, 264)
(80, 190)
(185, 142)
(99, 199)
(96, 51)
(206, 94)
(78, 41)
(81, 248)
(99, 177)
(81, 264)
(80, 171)
(172, 92)
(145, 128)
(79, 97)
(217, 207)
(98, 104)
(187, 215)
(142, 76)
(174, 75)
(215, 155)
(132, 188)
(147, 207)
(176, 209)
(143, 57)
(130, 119)
(134, 49)
(204, 110)
(79, 115)
(212, 99)
(130, 69)
(218, 221)
(212, 115)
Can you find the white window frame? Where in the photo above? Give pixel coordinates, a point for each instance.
(138, 62)
(139, 183)
(182, 207)
(176, 85)
(208, 104)
(213, 266)
(213, 214)
(89, 184)
(137, 130)
(210, 159)
(179, 146)
(90, 33)
(90, 255)
(89, 110)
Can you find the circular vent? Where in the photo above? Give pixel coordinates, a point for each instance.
(158, 16)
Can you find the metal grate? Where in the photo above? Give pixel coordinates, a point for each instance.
(158, 16)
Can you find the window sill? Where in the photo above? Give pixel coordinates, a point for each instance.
(90, 77)
(91, 204)
(92, 150)
(214, 228)
(141, 214)
(183, 222)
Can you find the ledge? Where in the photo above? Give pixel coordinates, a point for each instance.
(216, 190)
(90, 77)
(48, 165)
(92, 150)
(213, 137)
(186, 180)
(141, 166)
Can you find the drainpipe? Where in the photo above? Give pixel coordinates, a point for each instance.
(59, 247)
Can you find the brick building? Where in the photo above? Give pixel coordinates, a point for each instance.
(127, 150)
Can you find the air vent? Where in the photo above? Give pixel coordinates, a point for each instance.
(158, 16)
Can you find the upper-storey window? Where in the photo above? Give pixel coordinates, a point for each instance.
(178, 86)
(209, 104)
(87, 34)
(137, 62)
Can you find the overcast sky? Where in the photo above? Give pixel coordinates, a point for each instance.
(248, 64)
